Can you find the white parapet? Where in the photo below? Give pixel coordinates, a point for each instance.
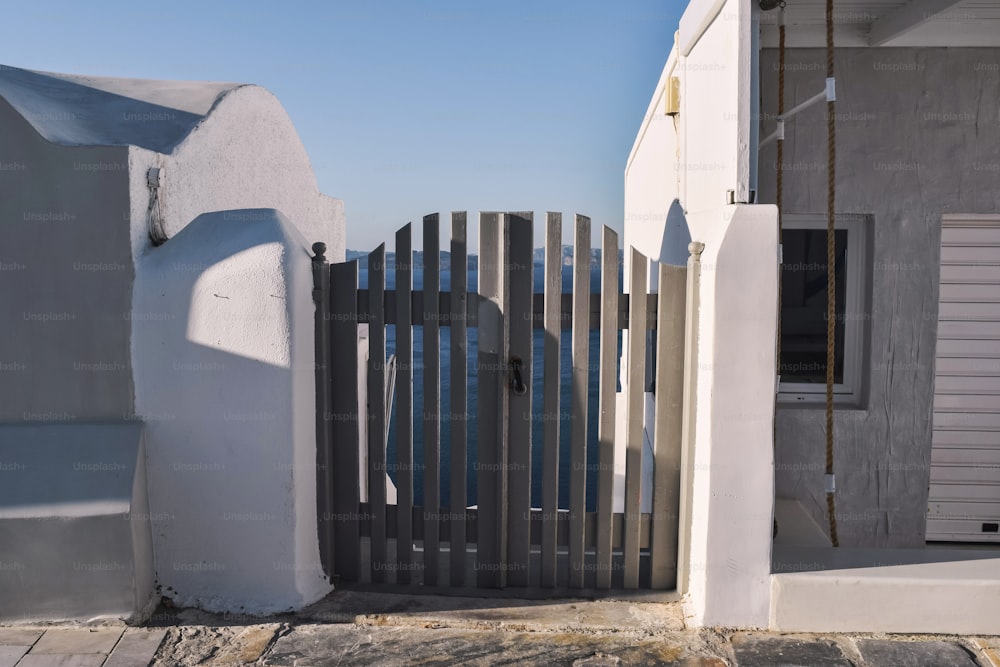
(733, 478)
(225, 380)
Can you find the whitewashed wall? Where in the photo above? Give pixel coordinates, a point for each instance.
(733, 482)
(678, 176)
(244, 154)
(716, 101)
(245, 449)
(224, 357)
(207, 340)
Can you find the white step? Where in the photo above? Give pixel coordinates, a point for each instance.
(886, 590)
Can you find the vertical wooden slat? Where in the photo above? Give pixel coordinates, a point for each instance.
(581, 362)
(503, 405)
(692, 307)
(550, 406)
(404, 405)
(488, 379)
(606, 404)
(458, 421)
(519, 267)
(376, 410)
(345, 431)
(667, 433)
(432, 398)
(636, 399)
(324, 407)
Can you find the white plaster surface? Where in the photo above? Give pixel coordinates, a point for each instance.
(226, 384)
(676, 187)
(77, 110)
(733, 489)
(951, 596)
(231, 395)
(245, 154)
(715, 111)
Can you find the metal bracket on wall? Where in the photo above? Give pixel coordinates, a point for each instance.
(154, 214)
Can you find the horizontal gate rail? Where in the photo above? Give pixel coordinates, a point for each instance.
(474, 300)
(448, 520)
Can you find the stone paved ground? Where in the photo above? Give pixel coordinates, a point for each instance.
(394, 630)
(78, 646)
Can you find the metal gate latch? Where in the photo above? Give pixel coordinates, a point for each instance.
(516, 382)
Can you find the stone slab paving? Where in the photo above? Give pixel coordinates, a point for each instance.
(989, 648)
(77, 641)
(19, 636)
(219, 646)
(62, 660)
(762, 651)
(890, 653)
(473, 613)
(136, 648)
(10, 654)
(355, 646)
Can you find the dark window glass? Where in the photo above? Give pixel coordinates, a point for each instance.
(804, 305)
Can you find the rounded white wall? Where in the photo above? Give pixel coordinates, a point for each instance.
(224, 371)
(246, 153)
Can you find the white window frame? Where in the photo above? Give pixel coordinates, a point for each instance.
(855, 313)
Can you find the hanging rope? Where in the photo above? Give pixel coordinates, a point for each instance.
(780, 167)
(779, 186)
(831, 277)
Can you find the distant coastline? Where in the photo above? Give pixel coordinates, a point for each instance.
(418, 258)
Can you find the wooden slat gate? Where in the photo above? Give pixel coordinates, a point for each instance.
(505, 538)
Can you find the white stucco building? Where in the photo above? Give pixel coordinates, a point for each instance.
(157, 399)
(918, 218)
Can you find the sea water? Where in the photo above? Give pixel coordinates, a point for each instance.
(564, 414)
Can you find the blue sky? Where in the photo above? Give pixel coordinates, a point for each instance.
(405, 108)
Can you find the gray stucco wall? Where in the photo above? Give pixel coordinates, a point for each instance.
(75, 540)
(918, 135)
(66, 271)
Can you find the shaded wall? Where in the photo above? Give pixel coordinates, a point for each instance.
(66, 275)
(918, 135)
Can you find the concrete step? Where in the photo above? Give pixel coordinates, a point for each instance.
(885, 590)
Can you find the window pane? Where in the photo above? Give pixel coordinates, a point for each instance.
(804, 304)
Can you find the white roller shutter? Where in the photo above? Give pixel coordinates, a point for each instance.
(964, 503)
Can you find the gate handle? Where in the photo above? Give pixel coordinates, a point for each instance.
(516, 382)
